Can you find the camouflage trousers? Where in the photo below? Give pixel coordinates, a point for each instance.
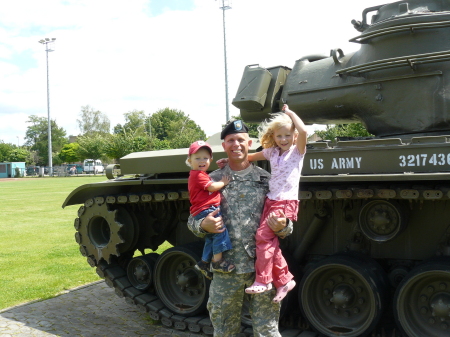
(226, 297)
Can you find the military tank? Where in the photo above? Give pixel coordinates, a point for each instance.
(371, 247)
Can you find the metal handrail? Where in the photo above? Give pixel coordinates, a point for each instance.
(409, 27)
(395, 62)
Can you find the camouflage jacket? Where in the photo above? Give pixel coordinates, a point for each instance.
(242, 202)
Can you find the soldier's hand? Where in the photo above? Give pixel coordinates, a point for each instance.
(222, 162)
(277, 222)
(211, 224)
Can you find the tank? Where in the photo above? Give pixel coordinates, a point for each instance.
(371, 248)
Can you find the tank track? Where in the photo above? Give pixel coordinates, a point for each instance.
(113, 269)
(115, 277)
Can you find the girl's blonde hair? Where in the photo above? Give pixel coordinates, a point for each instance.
(267, 128)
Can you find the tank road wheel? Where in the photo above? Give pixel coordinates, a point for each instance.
(382, 220)
(103, 233)
(180, 286)
(422, 301)
(140, 271)
(343, 295)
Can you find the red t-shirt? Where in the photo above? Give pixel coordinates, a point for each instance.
(199, 195)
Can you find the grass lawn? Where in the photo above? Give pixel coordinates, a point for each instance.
(39, 257)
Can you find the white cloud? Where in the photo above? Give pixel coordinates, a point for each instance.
(114, 57)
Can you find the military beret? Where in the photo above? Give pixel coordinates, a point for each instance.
(236, 126)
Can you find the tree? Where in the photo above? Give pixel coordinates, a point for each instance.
(343, 130)
(91, 147)
(157, 144)
(5, 149)
(121, 144)
(33, 158)
(118, 129)
(56, 159)
(134, 120)
(69, 153)
(92, 121)
(175, 127)
(19, 155)
(37, 137)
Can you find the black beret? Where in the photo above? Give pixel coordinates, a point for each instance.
(236, 126)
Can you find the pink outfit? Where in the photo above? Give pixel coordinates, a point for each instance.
(285, 173)
(270, 264)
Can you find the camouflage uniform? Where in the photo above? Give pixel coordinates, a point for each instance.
(241, 205)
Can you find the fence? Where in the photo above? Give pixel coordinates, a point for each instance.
(58, 171)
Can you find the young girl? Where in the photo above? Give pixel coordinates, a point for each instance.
(283, 139)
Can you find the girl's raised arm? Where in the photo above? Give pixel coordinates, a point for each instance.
(301, 128)
(256, 156)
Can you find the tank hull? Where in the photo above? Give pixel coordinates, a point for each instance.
(351, 215)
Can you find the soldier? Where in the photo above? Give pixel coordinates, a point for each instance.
(241, 207)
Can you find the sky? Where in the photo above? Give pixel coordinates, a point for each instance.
(120, 56)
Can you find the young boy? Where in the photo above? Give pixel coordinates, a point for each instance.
(205, 198)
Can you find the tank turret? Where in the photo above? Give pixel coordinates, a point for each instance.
(395, 84)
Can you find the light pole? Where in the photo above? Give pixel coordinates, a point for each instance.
(49, 46)
(225, 5)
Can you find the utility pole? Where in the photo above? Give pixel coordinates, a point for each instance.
(226, 4)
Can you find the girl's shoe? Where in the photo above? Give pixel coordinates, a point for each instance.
(258, 287)
(222, 266)
(282, 291)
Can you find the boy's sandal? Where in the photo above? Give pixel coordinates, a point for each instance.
(282, 291)
(222, 266)
(203, 267)
(258, 287)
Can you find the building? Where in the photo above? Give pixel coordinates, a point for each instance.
(12, 170)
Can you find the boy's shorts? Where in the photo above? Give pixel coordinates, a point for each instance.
(205, 212)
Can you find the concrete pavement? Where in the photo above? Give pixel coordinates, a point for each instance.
(88, 311)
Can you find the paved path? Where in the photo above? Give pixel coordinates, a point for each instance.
(88, 311)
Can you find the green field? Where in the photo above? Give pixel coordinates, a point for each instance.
(39, 257)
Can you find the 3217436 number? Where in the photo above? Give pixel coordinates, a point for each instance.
(420, 160)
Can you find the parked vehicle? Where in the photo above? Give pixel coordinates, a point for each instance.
(371, 247)
(78, 168)
(32, 170)
(93, 166)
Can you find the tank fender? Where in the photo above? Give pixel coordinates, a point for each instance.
(88, 191)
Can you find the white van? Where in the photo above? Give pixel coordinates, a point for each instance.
(93, 166)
